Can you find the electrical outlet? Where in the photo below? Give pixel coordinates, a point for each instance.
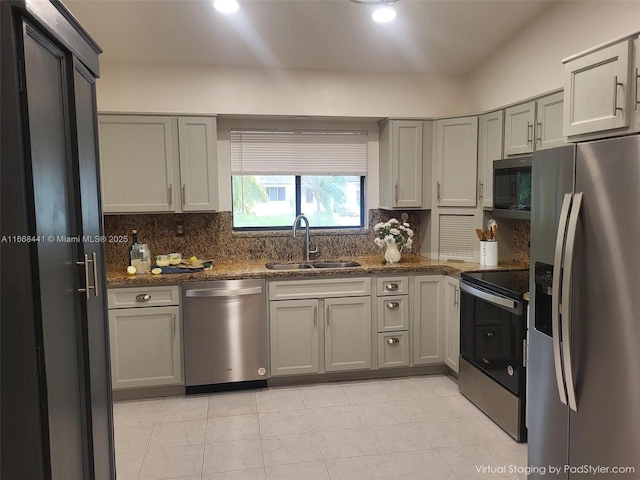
(179, 230)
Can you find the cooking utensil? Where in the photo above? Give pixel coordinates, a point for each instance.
(479, 234)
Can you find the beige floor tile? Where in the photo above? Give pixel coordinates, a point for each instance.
(251, 474)
(132, 439)
(474, 461)
(279, 399)
(180, 409)
(299, 471)
(420, 465)
(402, 437)
(290, 449)
(462, 406)
(232, 455)
(488, 429)
(128, 465)
(371, 467)
(136, 413)
(283, 423)
(324, 396)
(383, 413)
(236, 427)
(410, 390)
(175, 434)
(334, 418)
(512, 452)
(347, 442)
(228, 404)
(172, 462)
(367, 393)
(452, 432)
(443, 385)
(427, 409)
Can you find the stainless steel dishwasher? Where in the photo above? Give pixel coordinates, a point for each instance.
(225, 335)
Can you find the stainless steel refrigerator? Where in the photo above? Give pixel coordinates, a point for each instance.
(584, 330)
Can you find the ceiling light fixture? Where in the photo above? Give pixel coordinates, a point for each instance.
(226, 6)
(383, 14)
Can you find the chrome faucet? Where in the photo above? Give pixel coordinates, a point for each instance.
(307, 242)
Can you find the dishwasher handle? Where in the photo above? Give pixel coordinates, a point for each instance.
(219, 292)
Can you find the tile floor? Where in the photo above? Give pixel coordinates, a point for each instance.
(410, 428)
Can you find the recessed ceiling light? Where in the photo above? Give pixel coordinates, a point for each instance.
(226, 6)
(384, 14)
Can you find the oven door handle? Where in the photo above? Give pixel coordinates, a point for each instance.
(506, 303)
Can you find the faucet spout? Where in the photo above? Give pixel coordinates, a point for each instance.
(294, 231)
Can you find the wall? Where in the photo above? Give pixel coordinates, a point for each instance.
(172, 88)
(530, 63)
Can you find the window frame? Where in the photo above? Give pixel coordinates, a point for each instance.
(298, 189)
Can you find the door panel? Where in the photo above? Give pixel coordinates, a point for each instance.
(347, 333)
(518, 129)
(198, 164)
(59, 311)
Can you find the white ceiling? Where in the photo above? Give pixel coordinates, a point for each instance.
(428, 36)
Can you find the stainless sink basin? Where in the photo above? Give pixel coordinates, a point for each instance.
(288, 266)
(302, 266)
(336, 264)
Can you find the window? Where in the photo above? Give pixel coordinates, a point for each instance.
(277, 175)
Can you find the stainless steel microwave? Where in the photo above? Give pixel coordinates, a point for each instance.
(512, 187)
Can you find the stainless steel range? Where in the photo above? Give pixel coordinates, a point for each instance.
(492, 346)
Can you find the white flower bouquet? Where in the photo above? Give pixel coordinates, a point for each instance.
(391, 232)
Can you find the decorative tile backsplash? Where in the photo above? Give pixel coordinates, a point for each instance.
(211, 236)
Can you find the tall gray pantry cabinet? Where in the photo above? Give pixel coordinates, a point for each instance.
(56, 418)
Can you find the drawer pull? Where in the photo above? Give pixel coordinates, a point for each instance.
(393, 305)
(391, 286)
(143, 297)
(393, 341)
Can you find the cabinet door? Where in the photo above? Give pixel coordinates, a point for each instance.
(406, 156)
(490, 144)
(137, 164)
(347, 333)
(635, 102)
(456, 161)
(294, 336)
(518, 129)
(145, 347)
(596, 87)
(549, 121)
(198, 163)
(427, 320)
(451, 322)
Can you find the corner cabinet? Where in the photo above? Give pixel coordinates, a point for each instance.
(401, 164)
(456, 158)
(490, 142)
(427, 319)
(145, 331)
(451, 322)
(158, 164)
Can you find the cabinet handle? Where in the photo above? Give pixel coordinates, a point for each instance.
(391, 286)
(481, 185)
(524, 352)
(635, 107)
(539, 132)
(393, 305)
(396, 193)
(173, 324)
(183, 194)
(393, 341)
(616, 84)
(529, 132)
(438, 190)
(315, 316)
(170, 194)
(328, 315)
(456, 292)
(143, 297)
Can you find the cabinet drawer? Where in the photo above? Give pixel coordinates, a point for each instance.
(320, 288)
(393, 313)
(392, 286)
(393, 349)
(143, 297)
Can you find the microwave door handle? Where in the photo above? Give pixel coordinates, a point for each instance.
(555, 295)
(566, 300)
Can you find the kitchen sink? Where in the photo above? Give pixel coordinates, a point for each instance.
(302, 266)
(336, 264)
(288, 266)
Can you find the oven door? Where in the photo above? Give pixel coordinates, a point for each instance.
(492, 331)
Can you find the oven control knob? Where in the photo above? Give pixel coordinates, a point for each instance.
(510, 370)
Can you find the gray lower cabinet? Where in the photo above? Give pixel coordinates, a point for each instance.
(145, 333)
(393, 349)
(428, 345)
(347, 343)
(294, 336)
(451, 322)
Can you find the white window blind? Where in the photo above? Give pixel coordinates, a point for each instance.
(298, 152)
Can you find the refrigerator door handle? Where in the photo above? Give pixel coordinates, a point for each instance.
(555, 295)
(566, 300)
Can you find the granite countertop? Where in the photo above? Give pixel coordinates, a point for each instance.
(117, 276)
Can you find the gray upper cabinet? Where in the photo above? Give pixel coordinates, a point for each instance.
(596, 86)
(158, 164)
(490, 134)
(518, 129)
(635, 99)
(534, 125)
(456, 157)
(401, 158)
